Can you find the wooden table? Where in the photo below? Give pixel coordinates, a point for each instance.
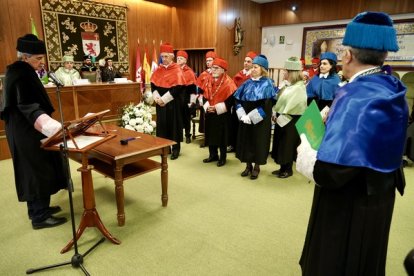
(121, 162)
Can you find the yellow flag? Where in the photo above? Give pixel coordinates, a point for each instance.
(147, 67)
(33, 27)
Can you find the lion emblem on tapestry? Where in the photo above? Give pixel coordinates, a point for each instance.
(80, 28)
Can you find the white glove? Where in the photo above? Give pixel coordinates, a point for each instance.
(220, 108)
(246, 119)
(240, 112)
(305, 161)
(167, 97)
(47, 125)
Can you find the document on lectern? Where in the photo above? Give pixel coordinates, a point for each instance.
(76, 133)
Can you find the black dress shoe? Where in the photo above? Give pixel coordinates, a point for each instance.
(246, 171)
(174, 155)
(210, 159)
(285, 174)
(221, 163)
(52, 210)
(187, 140)
(276, 172)
(49, 222)
(255, 173)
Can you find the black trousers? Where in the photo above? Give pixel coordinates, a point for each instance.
(38, 209)
(213, 151)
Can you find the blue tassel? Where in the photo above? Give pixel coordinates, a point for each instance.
(368, 36)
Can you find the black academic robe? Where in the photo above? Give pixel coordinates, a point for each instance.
(285, 142)
(217, 126)
(38, 173)
(110, 74)
(170, 117)
(350, 220)
(253, 141)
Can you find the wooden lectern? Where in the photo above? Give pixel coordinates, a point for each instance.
(80, 140)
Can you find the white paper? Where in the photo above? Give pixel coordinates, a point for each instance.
(81, 81)
(120, 80)
(82, 141)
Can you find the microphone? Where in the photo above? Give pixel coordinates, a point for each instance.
(55, 79)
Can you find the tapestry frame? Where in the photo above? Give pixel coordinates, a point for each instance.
(102, 31)
(332, 35)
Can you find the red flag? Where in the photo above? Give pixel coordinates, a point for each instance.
(154, 63)
(138, 72)
(146, 67)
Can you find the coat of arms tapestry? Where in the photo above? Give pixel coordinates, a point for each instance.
(80, 28)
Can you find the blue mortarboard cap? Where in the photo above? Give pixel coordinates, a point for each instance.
(328, 55)
(262, 61)
(371, 30)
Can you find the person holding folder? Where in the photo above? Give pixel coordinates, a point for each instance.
(357, 167)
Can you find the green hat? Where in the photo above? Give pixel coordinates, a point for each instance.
(293, 64)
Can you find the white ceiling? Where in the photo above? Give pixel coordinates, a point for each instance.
(264, 1)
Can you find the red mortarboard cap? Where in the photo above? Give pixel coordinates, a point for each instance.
(221, 62)
(166, 48)
(315, 60)
(211, 54)
(251, 55)
(182, 54)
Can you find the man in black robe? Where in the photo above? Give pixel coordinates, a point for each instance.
(217, 104)
(26, 110)
(358, 164)
(109, 72)
(167, 84)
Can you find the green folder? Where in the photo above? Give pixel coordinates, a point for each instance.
(311, 124)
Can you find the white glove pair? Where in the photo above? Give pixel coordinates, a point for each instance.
(246, 119)
(305, 161)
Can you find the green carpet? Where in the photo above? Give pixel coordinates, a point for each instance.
(216, 223)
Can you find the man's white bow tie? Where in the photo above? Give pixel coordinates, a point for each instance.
(323, 76)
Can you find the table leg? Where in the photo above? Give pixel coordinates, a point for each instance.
(119, 195)
(164, 177)
(90, 217)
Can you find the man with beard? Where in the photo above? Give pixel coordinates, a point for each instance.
(217, 103)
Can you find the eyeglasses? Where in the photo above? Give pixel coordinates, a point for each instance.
(215, 68)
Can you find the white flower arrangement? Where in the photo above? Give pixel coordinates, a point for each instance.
(138, 118)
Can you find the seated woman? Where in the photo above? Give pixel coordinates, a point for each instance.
(67, 73)
(109, 73)
(322, 87)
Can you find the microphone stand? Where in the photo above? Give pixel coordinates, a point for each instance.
(77, 259)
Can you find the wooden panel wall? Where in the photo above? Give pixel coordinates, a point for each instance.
(187, 24)
(279, 13)
(249, 13)
(195, 25)
(210, 24)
